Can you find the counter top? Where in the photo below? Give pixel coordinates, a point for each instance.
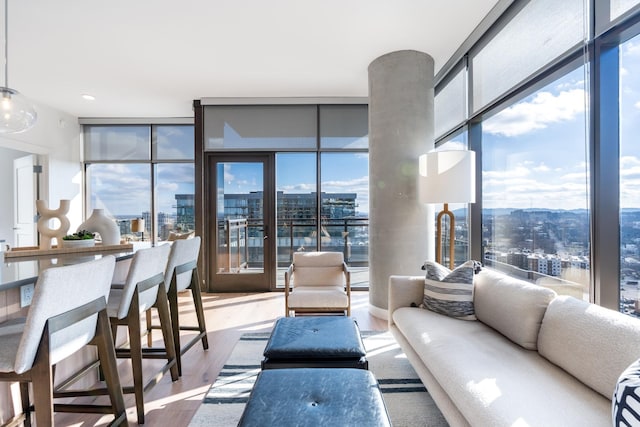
(15, 272)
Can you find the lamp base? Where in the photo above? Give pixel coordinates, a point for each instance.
(439, 242)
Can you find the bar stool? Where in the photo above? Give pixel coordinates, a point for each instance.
(68, 311)
(182, 274)
(141, 291)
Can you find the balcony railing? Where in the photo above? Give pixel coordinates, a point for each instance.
(347, 235)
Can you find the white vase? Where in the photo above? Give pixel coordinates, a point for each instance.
(100, 223)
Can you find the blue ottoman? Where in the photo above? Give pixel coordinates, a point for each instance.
(315, 342)
(315, 397)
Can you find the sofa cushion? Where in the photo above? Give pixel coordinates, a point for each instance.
(494, 382)
(592, 343)
(511, 306)
(449, 292)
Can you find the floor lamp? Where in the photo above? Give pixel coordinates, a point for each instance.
(137, 226)
(447, 177)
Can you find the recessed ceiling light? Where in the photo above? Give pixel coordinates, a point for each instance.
(88, 97)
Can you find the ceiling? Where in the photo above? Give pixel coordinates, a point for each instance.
(152, 58)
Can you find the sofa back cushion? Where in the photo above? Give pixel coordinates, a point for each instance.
(511, 306)
(592, 343)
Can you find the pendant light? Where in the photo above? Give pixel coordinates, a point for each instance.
(16, 112)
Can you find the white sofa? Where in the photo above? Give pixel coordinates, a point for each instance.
(531, 359)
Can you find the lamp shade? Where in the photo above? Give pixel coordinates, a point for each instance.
(16, 112)
(137, 225)
(447, 177)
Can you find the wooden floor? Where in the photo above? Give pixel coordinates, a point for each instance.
(228, 316)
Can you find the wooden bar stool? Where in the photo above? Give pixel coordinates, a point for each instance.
(68, 312)
(182, 274)
(143, 289)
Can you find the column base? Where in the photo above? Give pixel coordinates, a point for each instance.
(380, 313)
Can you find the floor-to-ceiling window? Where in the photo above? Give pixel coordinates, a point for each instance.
(142, 172)
(551, 99)
(535, 188)
(630, 175)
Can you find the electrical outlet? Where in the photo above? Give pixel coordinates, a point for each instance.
(26, 294)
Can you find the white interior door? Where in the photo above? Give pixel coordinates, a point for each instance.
(24, 201)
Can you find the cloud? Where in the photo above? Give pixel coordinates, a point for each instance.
(541, 168)
(535, 194)
(342, 184)
(544, 109)
(631, 48)
(517, 172)
(107, 182)
(298, 188)
(534, 185)
(454, 145)
(228, 176)
(575, 176)
(629, 168)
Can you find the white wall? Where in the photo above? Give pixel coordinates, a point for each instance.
(55, 138)
(7, 156)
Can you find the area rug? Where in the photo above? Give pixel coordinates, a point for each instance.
(406, 399)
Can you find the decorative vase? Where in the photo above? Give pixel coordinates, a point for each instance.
(46, 232)
(105, 226)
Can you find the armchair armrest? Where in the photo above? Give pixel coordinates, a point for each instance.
(404, 290)
(347, 277)
(287, 279)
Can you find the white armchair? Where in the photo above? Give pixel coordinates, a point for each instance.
(317, 282)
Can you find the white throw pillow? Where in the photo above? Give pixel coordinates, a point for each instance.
(450, 292)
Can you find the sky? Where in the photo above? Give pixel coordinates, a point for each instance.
(534, 152)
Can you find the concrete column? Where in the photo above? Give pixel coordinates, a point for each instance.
(400, 130)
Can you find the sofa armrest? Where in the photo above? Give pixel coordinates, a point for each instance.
(404, 290)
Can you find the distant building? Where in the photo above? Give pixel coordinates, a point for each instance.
(549, 265)
(185, 212)
(291, 206)
(518, 259)
(165, 225)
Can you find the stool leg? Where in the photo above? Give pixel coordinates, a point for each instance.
(107, 357)
(162, 303)
(43, 393)
(149, 333)
(197, 301)
(26, 404)
(172, 295)
(136, 358)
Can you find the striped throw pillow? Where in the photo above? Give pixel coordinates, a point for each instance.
(450, 292)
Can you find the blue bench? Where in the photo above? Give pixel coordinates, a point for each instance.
(315, 342)
(315, 397)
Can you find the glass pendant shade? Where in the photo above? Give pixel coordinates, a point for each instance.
(16, 112)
